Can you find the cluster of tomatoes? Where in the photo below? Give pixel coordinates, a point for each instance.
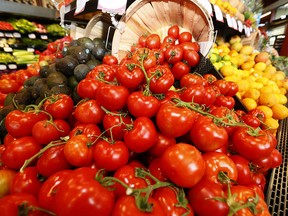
(136, 145)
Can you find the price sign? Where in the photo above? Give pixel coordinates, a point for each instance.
(1, 34)
(12, 66)
(112, 6)
(3, 67)
(16, 35)
(8, 34)
(240, 26)
(8, 49)
(218, 13)
(229, 21)
(30, 49)
(44, 37)
(80, 6)
(31, 36)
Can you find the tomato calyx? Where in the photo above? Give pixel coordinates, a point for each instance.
(25, 209)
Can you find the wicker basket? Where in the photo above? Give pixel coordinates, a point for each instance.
(156, 16)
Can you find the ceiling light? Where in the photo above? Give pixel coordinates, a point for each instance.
(265, 14)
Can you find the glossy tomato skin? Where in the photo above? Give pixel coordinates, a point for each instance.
(78, 151)
(60, 106)
(253, 147)
(110, 156)
(125, 205)
(85, 191)
(45, 131)
(9, 86)
(170, 115)
(161, 144)
(49, 189)
(192, 79)
(251, 120)
(20, 150)
(92, 131)
(52, 161)
(191, 57)
(179, 70)
(219, 162)
(19, 123)
(139, 104)
(9, 205)
(202, 195)
(153, 41)
(185, 37)
(6, 178)
(87, 88)
(110, 60)
(27, 181)
(155, 169)
(195, 93)
(89, 112)
(183, 164)
(168, 200)
(112, 97)
(225, 101)
(206, 135)
(245, 174)
(142, 136)
(173, 31)
(173, 54)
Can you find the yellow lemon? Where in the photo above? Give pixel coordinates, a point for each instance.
(271, 69)
(231, 78)
(272, 124)
(283, 91)
(268, 99)
(247, 65)
(266, 110)
(243, 85)
(227, 70)
(256, 85)
(279, 75)
(267, 75)
(279, 111)
(262, 80)
(265, 89)
(249, 103)
(252, 93)
(281, 98)
(261, 66)
(285, 84)
(257, 73)
(247, 50)
(234, 60)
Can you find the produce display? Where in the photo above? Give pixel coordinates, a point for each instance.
(261, 84)
(147, 136)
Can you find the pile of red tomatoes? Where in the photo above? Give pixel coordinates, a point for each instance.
(136, 145)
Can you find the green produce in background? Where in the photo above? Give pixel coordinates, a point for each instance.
(56, 30)
(23, 25)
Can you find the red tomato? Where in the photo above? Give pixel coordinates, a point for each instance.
(210, 96)
(261, 164)
(190, 46)
(87, 88)
(20, 150)
(253, 146)
(27, 181)
(174, 54)
(185, 37)
(258, 113)
(173, 31)
(115, 124)
(9, 86)
(206, 135)
(78, 150)
(112, 97)
(141, 136)
(194, 93)
(6, 179)
(192, 79)
(52, 161)
(102, 72)
(110, 60)
(170, 115)
(110, 156)
(276, 158)
(223, 86)
(129, 74)
(59, 106)
(139, 104)
(243, 168)
(210, 78)
(126, 174)
(49, 189)
(260, 180)
(225, 101)
(159, 54)
(142, 40)
(9, 205)
(162, 143)
(191, 57)
(92, 131)
(45, 131)
(19, 123)
(173, 201)
(251, 120)
(63, 127)
(217, 162)
(79, 193)
(161, 79)
(128, 202)
(89, 112)
(155, 169)
(147, 56)
(183, 164)
(153, 41)
(169, 39)
(232, 88)
(202, 195)
(179, 70)
(169, 96)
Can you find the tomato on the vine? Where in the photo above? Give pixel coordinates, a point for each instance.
(173, 54)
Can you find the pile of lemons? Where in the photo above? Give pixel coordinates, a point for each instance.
(260, 84)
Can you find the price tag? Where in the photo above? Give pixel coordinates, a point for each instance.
(12, 66)
(229, 21)
(240, 26)
(17, 35)
(1, 34)
(218, 13)
(80, 6)
(31, 36)
(3, 67)
(8, 49)
(234, 23)
(112, 6)
(8, 34)
(44, 37)
(30, 49)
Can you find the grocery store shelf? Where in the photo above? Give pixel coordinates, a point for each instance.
(277, 191)
(27, 10)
